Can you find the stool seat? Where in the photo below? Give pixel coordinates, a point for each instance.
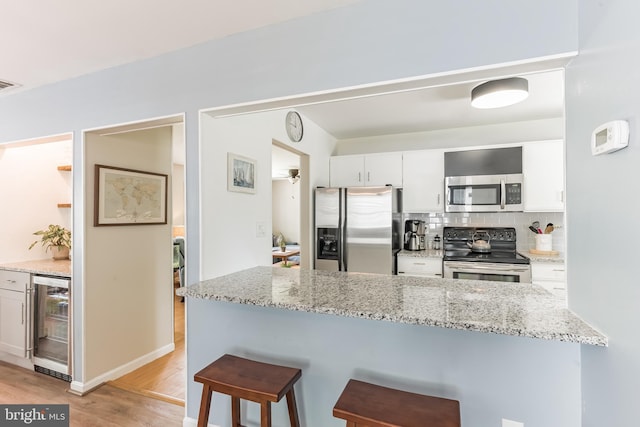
(248, 379)
(364, 404)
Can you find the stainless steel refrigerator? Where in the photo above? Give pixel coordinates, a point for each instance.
(357, 229)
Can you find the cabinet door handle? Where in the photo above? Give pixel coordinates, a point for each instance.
(419, 263)
(359, 177)
(368, 176)
(22, 314)
(438, 199)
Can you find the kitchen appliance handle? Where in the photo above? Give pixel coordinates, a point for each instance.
(503, 196)
(342, 229)
(480, 266)
(29, 336)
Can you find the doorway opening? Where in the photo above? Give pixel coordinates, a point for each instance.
(289, 178)
(140, 261)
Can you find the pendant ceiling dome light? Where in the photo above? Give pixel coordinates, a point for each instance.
(294, 176)
(500, 93)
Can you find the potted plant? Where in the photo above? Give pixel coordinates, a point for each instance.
(57, 238)
(282, 243)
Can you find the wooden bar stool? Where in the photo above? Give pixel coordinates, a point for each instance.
(364, 404)
(250, 380)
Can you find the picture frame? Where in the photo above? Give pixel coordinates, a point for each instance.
(241, 174)
(129, 197)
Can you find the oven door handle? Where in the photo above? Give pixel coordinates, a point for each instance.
(480, 266)
(503, 196)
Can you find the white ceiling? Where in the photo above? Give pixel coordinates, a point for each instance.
(49, 41)
(426, 109)
(434, 108)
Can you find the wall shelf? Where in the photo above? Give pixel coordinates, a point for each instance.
(64, 168)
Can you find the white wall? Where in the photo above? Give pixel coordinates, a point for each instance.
(31, 187)
(508, 133)
(602, 204)
(286, 209)
(229, 238)
(177, 191)
(128, 293)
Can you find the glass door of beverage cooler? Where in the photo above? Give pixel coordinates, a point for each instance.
(51, 327)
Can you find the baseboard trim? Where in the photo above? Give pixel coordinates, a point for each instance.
(23, 362)
(83, 388)
(190, 422)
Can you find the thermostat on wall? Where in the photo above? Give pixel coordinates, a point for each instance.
(610, 137)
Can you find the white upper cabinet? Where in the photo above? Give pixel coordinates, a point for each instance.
(346, 171)
(543, 169)
(366, 170)
(423, 181)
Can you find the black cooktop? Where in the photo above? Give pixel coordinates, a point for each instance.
(456, 241)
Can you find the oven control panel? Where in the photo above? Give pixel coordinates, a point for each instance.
(501, 234)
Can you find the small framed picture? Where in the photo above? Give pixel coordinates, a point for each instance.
(129, 197)
(241, 174)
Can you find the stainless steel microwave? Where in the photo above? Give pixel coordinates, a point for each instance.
(484, 193)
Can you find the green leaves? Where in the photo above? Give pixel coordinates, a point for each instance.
(54, 235)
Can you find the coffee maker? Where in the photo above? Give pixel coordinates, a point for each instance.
(414, 235)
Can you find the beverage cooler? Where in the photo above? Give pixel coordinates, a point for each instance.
(52, 326)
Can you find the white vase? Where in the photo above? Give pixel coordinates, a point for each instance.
(60, 252)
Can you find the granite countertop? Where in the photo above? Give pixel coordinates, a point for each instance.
(557, 259)
(427, 253)
(61, 268)
(504, 308)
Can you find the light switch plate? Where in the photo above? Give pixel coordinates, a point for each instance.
(261, 229)
(510, 423)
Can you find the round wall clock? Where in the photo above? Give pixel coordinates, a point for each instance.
(293, 124)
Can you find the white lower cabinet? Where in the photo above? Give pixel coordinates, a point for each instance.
(551, 276)
(14, 312)
(419, 266)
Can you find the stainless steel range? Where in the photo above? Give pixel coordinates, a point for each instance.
(484, 253)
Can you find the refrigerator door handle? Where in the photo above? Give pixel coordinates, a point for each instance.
(342, 231)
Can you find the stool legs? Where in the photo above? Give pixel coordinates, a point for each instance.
(293, 409)
(265, 410)
(235, 412)
(265, 414)
(205, 403)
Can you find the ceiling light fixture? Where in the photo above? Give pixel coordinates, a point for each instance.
(294, 176)
(500, 93)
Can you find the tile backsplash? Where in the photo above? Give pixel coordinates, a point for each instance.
(519, 220)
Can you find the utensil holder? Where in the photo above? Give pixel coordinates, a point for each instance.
(544, 242)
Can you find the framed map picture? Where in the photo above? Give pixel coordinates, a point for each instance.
(129, 197)
(241, 174)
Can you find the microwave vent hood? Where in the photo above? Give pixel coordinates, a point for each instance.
(496, 161)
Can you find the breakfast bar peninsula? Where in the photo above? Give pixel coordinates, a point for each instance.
(504, 350)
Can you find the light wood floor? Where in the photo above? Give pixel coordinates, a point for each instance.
(164, 378)
(107, 406)
(152, 395)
